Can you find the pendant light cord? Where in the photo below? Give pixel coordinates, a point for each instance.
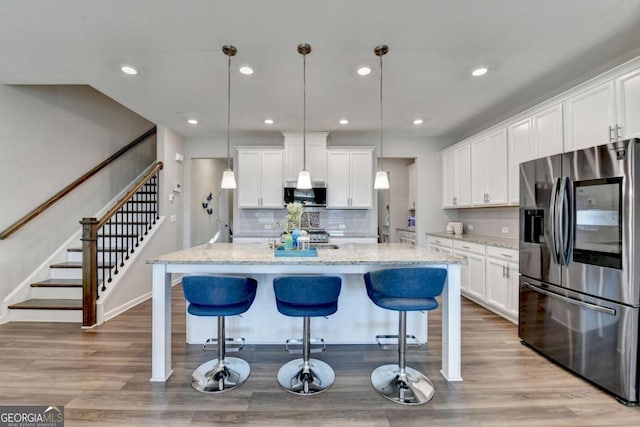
(304, 112)
(228, 111)
(381, 157)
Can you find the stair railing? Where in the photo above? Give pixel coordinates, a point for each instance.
(69, 188)
(120, 232)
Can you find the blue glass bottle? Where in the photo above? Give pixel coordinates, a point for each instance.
(295, 234)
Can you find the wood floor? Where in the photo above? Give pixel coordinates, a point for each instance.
(102, 378)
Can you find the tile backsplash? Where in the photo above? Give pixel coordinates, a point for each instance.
(491, 221)
(266, 221)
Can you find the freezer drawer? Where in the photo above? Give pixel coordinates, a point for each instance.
(594, 338)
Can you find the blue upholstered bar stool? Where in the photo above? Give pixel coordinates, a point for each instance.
(402, 290)
(219, 296)
(306, 297)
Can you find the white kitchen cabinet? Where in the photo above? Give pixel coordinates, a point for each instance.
(547, 131)
(473, 273)
(502, 281)
(349, 178)
(519, 144)
(260, 178)
(406, 236)
(316, 155)
(413, 189)
(606, 113)
(628, 105)
(590, 117)
(456, 177)
(489, 161)
(440, 244)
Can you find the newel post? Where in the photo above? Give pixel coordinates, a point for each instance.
(89, 270)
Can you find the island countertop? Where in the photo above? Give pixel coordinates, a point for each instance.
(389, 254)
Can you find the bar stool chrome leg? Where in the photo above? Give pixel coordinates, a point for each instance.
(400, 383)
(306, 376)
(221, 374)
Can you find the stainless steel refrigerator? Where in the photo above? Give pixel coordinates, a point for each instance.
(579, 292)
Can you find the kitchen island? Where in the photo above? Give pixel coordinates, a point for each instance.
(357, 316)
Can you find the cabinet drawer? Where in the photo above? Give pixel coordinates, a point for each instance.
(502, 253)
(476, 248)
(440, 241)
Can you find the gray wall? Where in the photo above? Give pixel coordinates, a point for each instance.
(49, 136)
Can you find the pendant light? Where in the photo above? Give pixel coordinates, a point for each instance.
(304, 178)
(228, 178)
(382, 179)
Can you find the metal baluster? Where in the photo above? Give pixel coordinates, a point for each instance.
(104, 246)
(139, 210)
(121, 235)
(117, 235)
(147, 215)
(139, 227)
(107, 266)
(156, 189)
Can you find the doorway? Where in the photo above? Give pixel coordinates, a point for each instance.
(211, 208)
(394, 204)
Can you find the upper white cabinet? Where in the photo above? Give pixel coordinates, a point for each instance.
(606, 113)
(350, 178)
(413, 182)
(590, 117)
(547, 131)
(456, 177)
(260, 173)
(489, 162)
(316, 158)
(628, 111)
(519, 144)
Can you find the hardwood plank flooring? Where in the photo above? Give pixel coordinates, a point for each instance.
(101, 376)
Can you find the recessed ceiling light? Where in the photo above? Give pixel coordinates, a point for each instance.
(246, 70)
(364, 70)
(129, 70)
(418, 121)
(192, 121)
(480, 71)
(343, 121)
(268, 121)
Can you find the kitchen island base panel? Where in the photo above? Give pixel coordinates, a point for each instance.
(357, 320)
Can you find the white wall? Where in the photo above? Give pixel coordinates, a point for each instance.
(49, 136)
(206, 176)
(170, 144)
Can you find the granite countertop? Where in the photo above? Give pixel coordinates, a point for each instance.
(349, 254)
(411, 229)
(500, 242)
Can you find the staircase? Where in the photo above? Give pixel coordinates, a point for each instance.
(60, 297)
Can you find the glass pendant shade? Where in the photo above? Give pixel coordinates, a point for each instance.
(382, 181)
(304, 180)
(228, 180)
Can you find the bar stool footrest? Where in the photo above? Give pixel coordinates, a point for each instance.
(317, 345)
(231, 345)
(390, 342)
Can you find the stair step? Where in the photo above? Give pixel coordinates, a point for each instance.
(48, 304)
(72, 264)
(58, 283)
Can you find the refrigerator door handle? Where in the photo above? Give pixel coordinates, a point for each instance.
(553, 223)
(605, 310)
(565, 224)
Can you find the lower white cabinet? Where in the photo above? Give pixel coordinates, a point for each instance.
(490, 276)
(502, 281)
(406, 236)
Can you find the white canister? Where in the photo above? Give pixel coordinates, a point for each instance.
(457, 228)
(449, 228)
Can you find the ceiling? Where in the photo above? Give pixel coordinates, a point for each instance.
(533, 48)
